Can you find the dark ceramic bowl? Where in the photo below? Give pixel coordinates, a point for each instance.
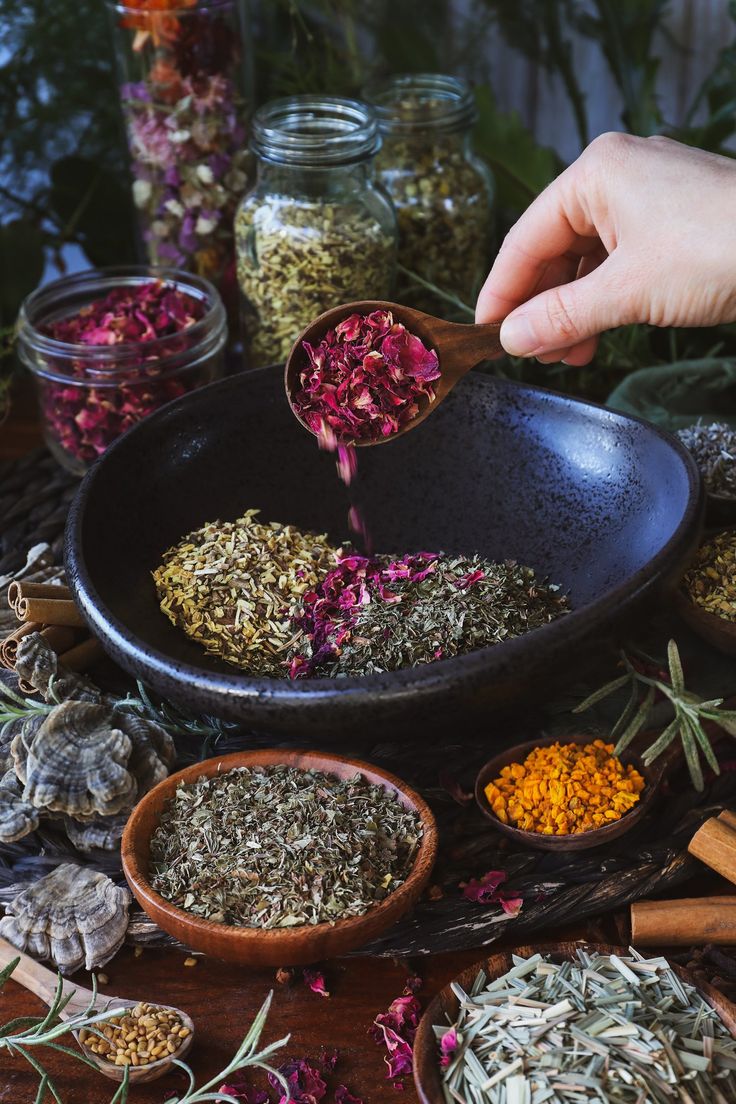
(604, 504)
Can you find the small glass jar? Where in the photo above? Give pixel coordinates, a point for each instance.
(90, 394)
(442, 193)
(186, 86)
(315, 231)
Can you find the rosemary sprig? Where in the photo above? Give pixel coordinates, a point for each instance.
(22, 1035)
(690, 713)
(448, 296)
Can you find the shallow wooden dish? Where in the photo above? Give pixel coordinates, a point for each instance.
(273, 947)
(427, 1079)
(582, 841)
(714, 630)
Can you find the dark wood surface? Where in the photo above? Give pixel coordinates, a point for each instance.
(222, 999)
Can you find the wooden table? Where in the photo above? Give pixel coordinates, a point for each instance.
(223, 999)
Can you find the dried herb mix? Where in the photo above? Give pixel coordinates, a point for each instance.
(713, 447)
(711, 579)
(278, 847)
(597, 1028)
(299, 256)
(364, 381)
(234, 587)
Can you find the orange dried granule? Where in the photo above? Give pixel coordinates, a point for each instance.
(565, 789)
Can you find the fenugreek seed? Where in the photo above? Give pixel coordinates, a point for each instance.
(171, 1047)
(190, 961)
(183, 1032)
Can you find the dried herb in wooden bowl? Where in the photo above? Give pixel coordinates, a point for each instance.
(713, 447)
(279, 847)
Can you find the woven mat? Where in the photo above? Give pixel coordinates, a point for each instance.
(556, 887)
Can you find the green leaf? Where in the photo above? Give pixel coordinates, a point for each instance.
(7, 971)
(522, 167)
(691, 756)
(603, 692)
(628, 712)
(662, 742)
(21, 265)
(702, 738)
(640, 718)
(677, 677)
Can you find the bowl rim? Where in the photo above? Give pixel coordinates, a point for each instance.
(149, 662)
(283, 938)
(577, 841)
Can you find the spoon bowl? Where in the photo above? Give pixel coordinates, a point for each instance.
(459, 348)
(43, 983)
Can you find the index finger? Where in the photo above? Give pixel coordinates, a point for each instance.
(557, 224)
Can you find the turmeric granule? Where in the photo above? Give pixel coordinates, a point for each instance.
(565, 789)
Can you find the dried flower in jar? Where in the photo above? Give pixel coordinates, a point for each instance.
(234, 587)
(297, 258)
(711, 579)
(364, 380)
(565, 789)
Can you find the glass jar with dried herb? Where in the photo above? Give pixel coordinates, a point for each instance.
(443, 193)
(315, 230)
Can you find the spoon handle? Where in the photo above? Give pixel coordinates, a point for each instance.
(467, 344)
(43, 982)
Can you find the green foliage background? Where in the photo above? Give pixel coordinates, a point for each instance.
(63, 175)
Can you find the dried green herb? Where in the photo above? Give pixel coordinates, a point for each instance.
(711, 579)
(277, 847)
(644, 680)
(597, 1028)
(298, 257)
(713, 447)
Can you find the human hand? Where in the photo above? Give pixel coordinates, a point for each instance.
(635, 230)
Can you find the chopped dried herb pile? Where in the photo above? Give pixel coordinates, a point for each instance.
(711, 580)
(596, 1028)
(713, 447)
(365, 379)
(277, 847)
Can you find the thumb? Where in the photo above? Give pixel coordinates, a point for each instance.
(564, 316)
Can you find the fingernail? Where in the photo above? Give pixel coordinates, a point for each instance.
(518, 337)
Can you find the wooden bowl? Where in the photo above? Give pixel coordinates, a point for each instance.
(582, 840)
(714, 630)
(273, 946)
(427, 1079)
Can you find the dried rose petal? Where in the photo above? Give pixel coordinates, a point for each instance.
(487, 891)
(396, 1030)
(365, 380)
(448, 1046)
(315, 980)
(306, 1086)
(243, 1091)
(344, 1096)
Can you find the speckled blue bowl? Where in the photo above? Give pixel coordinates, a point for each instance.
(606, 505)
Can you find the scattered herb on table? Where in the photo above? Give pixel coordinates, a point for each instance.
(596, 1028)
(234, 588)
(278, 847)
(381, 614)
(365, 379)
(645, 680)
(711, 579)
(565, 789)
(299, 257)
(86, 415)
(713, 446)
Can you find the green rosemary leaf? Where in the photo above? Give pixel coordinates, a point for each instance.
(73, 1053)
(50, 1086)
(675, 665)
(42, 1089)
(640, 718)
(603, 692)
(5, 974)
(662, 742)
(702, 738)
(19, 1021)
(692, 758)
(628, 713)
(121, 1096)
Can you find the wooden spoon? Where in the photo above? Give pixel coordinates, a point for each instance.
(37, 979)
(459, 348)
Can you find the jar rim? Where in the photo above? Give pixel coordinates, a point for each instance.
(442, 102)
(315, 131)
(95, 283)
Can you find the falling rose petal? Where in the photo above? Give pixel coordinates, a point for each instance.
(347, 463)
(315, 980)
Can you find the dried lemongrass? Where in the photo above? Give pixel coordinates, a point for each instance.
(596, 1028)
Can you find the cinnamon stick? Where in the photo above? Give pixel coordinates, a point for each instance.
(60, 637)
(715, 844)
(50, 611)
(683, 923)
(18, 590)
(9, 646)
(82, 656)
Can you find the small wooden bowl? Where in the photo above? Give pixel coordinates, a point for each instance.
(273, 946)
(714, 630)
(427, 1076)
(582, 840)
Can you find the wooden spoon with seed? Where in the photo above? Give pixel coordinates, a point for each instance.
(459, 348)
(37, 979)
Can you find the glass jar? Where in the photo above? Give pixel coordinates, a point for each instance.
(89, 394)
(442, 193)
(315, 231)
(186, 72)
